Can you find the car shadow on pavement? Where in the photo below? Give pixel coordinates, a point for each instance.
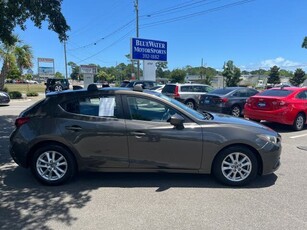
(280, 128)
(26, 204)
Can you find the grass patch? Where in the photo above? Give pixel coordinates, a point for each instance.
(26, 88)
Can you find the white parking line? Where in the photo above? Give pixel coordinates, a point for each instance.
(298, 136)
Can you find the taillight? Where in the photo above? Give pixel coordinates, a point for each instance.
(176, 93)
(278, 104)
(21, 121)
(220, 100)
(282, 103)
(224, 100)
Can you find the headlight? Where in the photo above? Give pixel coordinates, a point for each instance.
(268, 138)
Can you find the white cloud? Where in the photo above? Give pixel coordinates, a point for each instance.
(281, 63)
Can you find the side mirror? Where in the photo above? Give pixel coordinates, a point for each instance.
(177, 120)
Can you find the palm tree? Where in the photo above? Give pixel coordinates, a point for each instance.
(12, 55)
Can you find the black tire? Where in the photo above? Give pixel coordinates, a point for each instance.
(190, 104)
(53, 165)
(236, 111)
(58, 87)
(299, 122)
(235, 166)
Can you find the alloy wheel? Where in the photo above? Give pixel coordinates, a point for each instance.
(299, 122)
(236, 111)
(236, 167)
(51, 165)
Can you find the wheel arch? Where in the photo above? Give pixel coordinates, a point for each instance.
(35, 147)
(256, 153)
(190, 99)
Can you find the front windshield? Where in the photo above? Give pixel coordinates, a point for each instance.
(181, 105)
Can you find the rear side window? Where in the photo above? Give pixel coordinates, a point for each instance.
(169, 89)
(103, 106)
(187, 88)
(276, 92)
(221, 91)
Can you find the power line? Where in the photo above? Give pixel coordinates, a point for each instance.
(112, 44)
(197, 13)
(105, 37)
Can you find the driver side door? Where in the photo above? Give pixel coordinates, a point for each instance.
(156, 144)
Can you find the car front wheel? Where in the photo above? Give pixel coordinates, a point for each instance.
(235, 166)
(53, 165)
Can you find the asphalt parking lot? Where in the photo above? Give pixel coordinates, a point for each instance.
(153, 201)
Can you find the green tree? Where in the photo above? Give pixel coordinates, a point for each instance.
(15, 55)
(24, 57)
(13, 72)
(17, 12)
(298, 78)
(178, 75)
(285, 73)
(231, 73)
(304, 44)
(75, 70)
(59, 75)
(160, 71)
(274, 75)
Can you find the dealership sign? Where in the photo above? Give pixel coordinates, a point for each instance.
(88, 69)
(144, 49)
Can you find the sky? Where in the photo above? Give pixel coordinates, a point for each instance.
(252, 33)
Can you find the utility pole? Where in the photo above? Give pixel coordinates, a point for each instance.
(65, 59)
(201, 69)
(136, 5)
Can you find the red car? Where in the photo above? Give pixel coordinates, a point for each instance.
(285, 105)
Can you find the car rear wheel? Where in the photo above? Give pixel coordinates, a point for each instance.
(299, 122)
(190, 104)
(53, 165)
(235, 166)
(236, 111)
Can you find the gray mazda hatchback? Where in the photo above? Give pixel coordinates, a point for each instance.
(136, 130)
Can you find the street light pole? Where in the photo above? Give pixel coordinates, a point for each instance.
(136, 5)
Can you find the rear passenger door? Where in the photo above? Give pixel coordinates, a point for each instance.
(95, 127)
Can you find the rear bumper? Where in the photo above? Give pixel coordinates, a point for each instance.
(279, 116)
(217, 109)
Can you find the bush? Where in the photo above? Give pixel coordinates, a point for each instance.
(5, 89)
(32, 94)
(15, 95)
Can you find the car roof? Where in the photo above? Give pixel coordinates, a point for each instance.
(185, 84)
(104, 89)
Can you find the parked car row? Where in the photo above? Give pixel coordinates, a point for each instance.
(10, 81)
(285, 105)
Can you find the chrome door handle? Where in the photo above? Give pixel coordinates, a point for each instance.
(138, 134)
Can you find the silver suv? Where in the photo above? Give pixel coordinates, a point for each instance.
(188, 94)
